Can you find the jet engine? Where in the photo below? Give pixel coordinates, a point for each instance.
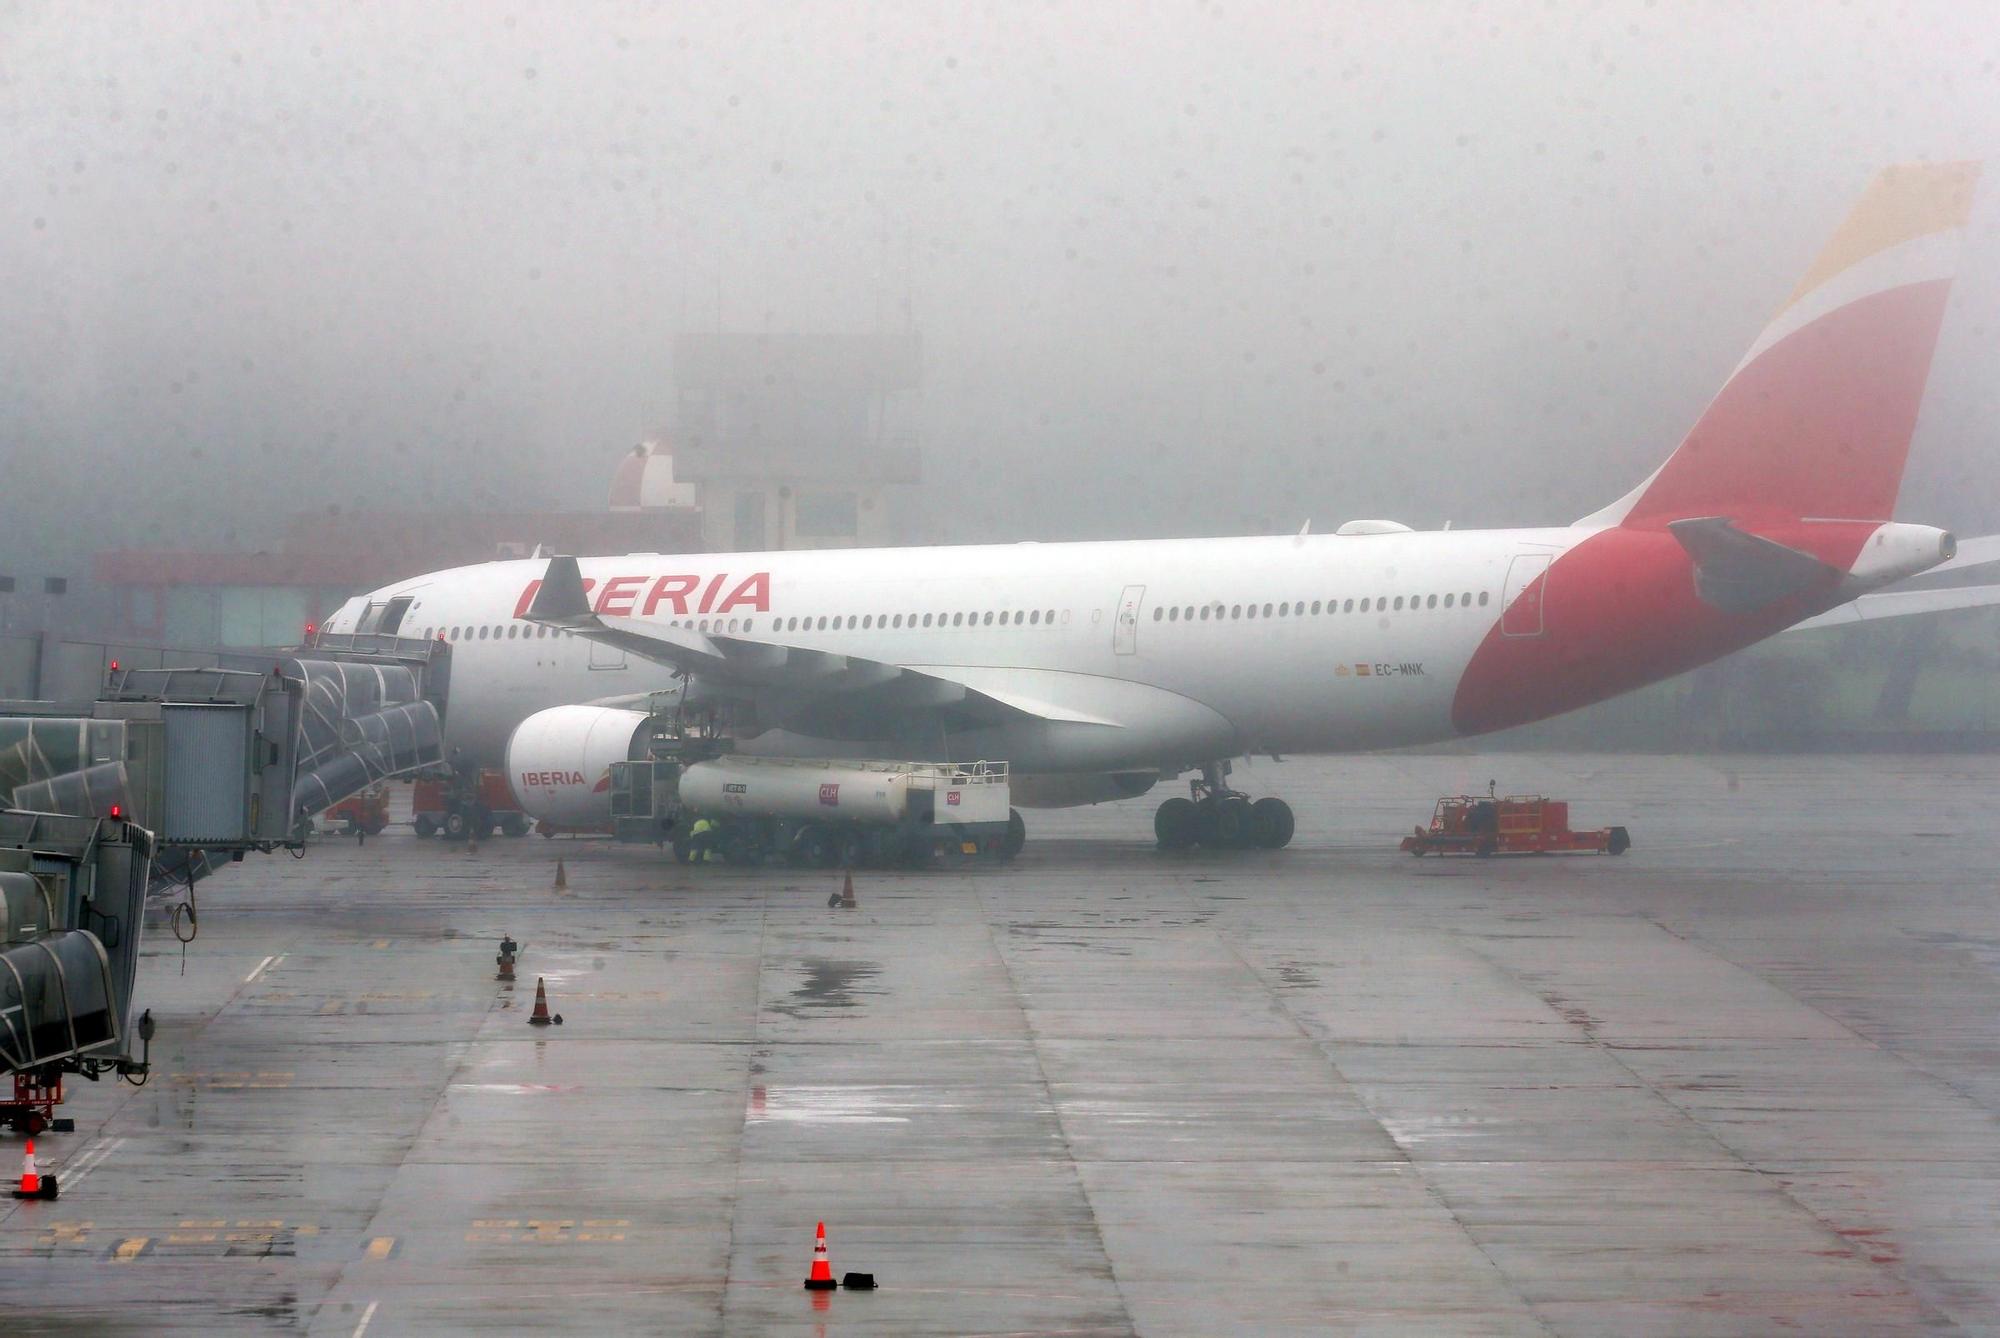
(559, 761)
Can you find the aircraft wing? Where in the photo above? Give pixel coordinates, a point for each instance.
(798, 685)
(1902, 604)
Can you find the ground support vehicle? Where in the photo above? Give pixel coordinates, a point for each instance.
(358, 814)
(712, 806)
(1515, 824)
(472, 807)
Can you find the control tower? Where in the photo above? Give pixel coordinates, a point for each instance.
(798, 440)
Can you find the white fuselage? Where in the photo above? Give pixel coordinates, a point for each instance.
(1188, 650)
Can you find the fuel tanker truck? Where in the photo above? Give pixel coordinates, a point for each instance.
(658, 779)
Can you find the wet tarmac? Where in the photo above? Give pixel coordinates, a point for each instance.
(1741, 1080)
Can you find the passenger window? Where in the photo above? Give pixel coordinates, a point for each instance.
(1236, 610)
(1267, 610)
(1482, 599)
(1174, 615)
(957, 620)
(1431, 602)
(1315, 606)
(1466, 598)
(1447, 600)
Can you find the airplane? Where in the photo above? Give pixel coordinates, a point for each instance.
(1099, 669)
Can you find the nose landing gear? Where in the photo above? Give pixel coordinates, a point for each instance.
(1220, 818)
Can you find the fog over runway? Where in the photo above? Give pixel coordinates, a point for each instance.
(1741, 1079)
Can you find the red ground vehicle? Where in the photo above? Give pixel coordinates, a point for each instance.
(434, 808)
(33, 1109)
(365, 812)
(1515, 824)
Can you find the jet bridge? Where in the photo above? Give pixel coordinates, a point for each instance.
(167, 773)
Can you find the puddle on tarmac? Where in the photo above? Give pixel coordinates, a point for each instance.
(829, 982)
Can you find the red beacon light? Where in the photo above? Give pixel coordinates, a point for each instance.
(312, 630)
(117, 812)
(114, 666)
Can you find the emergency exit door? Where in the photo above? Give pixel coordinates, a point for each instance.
(1521, 601)
(1125, 627)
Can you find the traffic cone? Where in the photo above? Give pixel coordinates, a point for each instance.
(562, 875)
(821, 1277)
(847, 901)
(33, 1184)
(541, 1016)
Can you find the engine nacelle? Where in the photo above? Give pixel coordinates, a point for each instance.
(1897, 551)
(1073, 791)
(559, 761)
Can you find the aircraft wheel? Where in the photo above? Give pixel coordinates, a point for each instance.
(426, 826)
(514, 824)
(1232, 823)
(455, 825)
(1176, 824)
(1271, 823)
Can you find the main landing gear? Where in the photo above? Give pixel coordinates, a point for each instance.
(1221, 818)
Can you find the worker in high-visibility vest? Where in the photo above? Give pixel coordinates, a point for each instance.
(702, 842)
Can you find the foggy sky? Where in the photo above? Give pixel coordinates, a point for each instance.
(1178, 269)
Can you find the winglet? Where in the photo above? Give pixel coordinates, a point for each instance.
(1738, 572)
(561, 598)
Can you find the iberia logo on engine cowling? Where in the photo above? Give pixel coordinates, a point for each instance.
(829, 794)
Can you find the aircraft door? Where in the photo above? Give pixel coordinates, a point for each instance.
(1521, 600)
(606, 657)
(1125, 628)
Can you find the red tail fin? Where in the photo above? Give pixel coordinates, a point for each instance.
(1816, 420)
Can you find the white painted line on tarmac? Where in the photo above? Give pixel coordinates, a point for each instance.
(258, 972)
(366, 1316)
(92, 1157)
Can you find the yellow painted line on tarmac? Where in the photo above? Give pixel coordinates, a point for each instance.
(131, 1249)
(381, 1247)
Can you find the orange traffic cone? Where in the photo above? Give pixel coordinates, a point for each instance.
(562, 875)
(847, 901)
(541, 1016)
(34, 1185)
(821, 1277)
